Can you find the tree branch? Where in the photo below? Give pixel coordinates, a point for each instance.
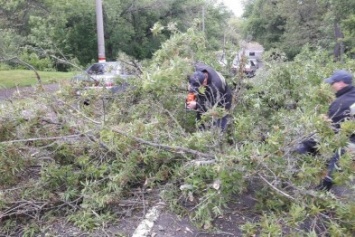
(28, 65)
(173, 149)
(41, 139)
(276, 189)
(80, 113)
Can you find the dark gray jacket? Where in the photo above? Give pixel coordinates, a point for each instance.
(339, 110)
(217, 91)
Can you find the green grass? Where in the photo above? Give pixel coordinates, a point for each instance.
(13, 78)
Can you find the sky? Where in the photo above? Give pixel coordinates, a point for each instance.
(234, 5)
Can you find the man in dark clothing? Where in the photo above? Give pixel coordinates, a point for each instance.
(208, 88)
(340, 110)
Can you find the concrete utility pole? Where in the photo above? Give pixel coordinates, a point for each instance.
(100, 32)
(203, 19)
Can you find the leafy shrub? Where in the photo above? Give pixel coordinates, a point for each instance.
(36, 61)
(12, 164)
(4, 66)
(144, 139)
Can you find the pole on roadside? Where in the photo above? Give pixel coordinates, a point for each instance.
(100, 32)
(203, 18)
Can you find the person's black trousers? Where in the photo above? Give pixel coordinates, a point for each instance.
(310, 147)
(221, 123)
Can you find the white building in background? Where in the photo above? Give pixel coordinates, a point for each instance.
(251, 50)
(251, 55)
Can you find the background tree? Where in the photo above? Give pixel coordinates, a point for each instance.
(304, 25)
(68, 28)
(343, 19)
(288, 25)
(264, 23)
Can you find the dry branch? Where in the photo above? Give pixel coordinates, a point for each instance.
(23, 208)
(201, 162)
(173, 149)
(27, 207)
(41, 139)
(95, 140)
(65, 61)
(276, 189)
(80, 113)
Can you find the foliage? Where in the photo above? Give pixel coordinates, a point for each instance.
(41, 64)
(66, 30)
(12, 164)
(323, 24)
(10, 43)
(263, 23)
(90, 159)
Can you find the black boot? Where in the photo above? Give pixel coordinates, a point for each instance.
(325, 185)
(307, 147)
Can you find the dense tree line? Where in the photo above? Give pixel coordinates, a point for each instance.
(68, 28)
(289, 25)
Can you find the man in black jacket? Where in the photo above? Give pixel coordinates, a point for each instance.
(210, 89)
(340, 110)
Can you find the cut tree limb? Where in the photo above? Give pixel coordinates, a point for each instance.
(42, 139)
(173, 149)
(276, 189)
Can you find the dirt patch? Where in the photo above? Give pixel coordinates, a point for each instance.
(238, 212)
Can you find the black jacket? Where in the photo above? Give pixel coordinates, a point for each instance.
(217, 91)
(339, 110)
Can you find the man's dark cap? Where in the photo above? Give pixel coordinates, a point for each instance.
(196, 80)
(340, 75)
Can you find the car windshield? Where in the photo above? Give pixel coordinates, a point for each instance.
(103, 68)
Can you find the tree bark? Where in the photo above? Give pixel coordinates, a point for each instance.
(339, 45)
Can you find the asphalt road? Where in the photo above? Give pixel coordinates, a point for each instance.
(24, 91)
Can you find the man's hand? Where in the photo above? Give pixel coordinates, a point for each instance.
(191, 105)
(325, 118)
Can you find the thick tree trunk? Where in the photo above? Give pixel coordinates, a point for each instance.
(339, 45)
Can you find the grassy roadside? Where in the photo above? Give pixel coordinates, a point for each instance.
(13, 78)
